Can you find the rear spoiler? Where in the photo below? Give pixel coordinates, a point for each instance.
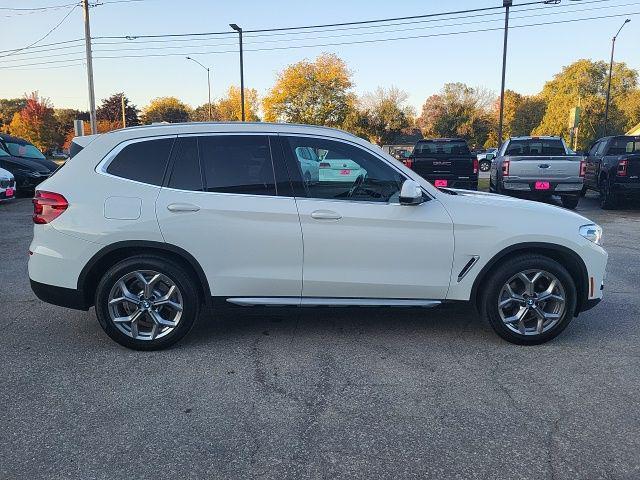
(78, 143)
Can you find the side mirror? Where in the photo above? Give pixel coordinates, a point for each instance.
(490, 156)
(411, 193)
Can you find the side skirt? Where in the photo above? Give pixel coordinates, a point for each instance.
(332, 302)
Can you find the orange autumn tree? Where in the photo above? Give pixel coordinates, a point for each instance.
(35, 122)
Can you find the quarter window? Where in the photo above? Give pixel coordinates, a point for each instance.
(144, 161)
(237, 164)
(343, 172)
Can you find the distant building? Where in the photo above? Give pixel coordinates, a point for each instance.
(635, 130)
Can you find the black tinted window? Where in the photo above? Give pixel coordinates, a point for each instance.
(144, 161)
(535, 147)
(185, 165)
(620, 146)
(441, 147)
(237, 164)
(344, 172)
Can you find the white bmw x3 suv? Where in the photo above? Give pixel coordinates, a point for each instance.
(151, 223)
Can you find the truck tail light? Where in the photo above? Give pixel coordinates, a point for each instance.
(324, 165)
(47, 206)
(475, 166)
(622, 168)
(505, 168)
(408, 162)
(583, 168)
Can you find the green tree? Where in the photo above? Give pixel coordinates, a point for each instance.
(201, 113)
(584, 83)
(315, 93)
(385, 115)
(166, 109)
(64, 122)
(36, 122)
(522, 114)
(111, 110)
(630, 105)
(458, 111)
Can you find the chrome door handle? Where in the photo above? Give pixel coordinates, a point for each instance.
(182, 207)
(325, 215)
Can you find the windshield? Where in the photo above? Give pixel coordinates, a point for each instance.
(623, 145)
(441, 147)
(25, 150)
(535, 147)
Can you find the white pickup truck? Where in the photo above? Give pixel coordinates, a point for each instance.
(538, 167)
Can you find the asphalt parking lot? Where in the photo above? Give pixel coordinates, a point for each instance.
(321, 393)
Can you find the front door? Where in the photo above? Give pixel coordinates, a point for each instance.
(359, 242)
(223, 204)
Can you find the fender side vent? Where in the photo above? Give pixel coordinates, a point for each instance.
(472, 261)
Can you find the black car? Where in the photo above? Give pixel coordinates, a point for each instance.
(28, 165)
(445, 162)
(612, 167)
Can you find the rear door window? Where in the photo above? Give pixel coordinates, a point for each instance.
(237, 164)
(145, 161)
(185, 166)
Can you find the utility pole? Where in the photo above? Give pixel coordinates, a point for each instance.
(613, 46)
(239, 30)
(87, 43)
(124, 118)
(506, 4)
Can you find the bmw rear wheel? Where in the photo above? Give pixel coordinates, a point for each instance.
(146, 303)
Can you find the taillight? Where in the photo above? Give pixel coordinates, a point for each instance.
(583, 168)
(408, 162)
(622, 168)
(325, 165)
(505, 168)
(475, 165)
(47, 206)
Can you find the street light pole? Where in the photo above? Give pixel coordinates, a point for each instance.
(613, 46)
(239, 30)
(506, 4)
(208, 83)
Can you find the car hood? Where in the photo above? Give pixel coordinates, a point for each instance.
(502, 202)
(29, 164)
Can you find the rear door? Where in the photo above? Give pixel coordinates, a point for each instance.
(227, 201)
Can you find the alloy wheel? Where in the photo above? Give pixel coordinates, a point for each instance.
(145, 305)
(532, 302)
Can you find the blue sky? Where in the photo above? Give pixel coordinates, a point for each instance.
(419, 66)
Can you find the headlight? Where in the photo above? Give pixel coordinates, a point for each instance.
(592, 232)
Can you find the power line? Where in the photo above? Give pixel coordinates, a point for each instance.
(35, 9)
(356, 42)
(45, 35)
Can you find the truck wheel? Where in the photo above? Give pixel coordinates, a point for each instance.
(584, 191)
(529, 299)
(485, 165)
(146, 302)
(608, 200)
(570, 201)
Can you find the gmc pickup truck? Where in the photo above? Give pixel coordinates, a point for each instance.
(613, 169)
(538, 167)
(445, 162)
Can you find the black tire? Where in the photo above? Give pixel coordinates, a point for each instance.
(608, 200)
(493, 285)
(187, 288)
(584, 191)
(570, 201)
(485, 165)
